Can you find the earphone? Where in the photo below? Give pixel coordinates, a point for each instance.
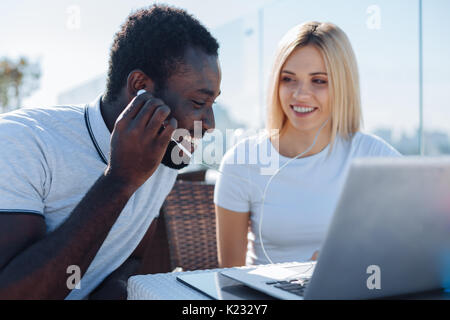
(270, 180)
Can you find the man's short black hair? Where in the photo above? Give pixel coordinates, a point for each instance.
(154, 40)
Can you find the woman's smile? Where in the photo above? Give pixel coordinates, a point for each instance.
(303, 110)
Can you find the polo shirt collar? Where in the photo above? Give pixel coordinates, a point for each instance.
(97, 129)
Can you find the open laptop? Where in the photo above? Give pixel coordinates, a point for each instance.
(389, 236)
(219, 287)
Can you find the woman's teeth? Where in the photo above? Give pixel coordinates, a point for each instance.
(302, 109)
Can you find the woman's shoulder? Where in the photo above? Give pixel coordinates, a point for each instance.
(368, 144)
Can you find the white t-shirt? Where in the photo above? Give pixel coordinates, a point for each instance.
(50, 158)
(301, 198)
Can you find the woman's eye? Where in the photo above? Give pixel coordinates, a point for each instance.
(286, 79)
(319, 81)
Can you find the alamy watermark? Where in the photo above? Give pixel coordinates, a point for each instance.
(210, 148)
(74, 280)
(374, 280)
(373, 21)
(73, 21)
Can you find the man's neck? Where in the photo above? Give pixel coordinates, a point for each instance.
(111, 110)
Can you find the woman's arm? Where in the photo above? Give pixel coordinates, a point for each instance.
(232, 229)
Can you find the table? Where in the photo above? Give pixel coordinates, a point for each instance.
(165, 286)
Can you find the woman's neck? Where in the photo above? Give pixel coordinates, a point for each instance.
(293, 142)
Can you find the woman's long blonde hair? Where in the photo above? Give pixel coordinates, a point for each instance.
(343, 77)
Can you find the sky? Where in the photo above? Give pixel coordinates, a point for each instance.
(71, 40)
(50, 32)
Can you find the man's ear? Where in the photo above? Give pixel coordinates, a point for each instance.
(138, 80)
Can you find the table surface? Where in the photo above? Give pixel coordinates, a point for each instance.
(165, 286)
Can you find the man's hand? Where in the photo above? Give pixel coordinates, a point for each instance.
(114, 287)
(137, 147)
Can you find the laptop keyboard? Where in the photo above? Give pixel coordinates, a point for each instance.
(294, 286)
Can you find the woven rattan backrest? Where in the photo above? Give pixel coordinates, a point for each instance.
(191, 226)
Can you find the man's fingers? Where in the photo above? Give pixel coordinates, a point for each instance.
(156, 121)
(146, 112)
(162, 140)
(171, 126)
(134, 107)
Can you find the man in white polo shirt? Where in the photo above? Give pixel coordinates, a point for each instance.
(80, 185)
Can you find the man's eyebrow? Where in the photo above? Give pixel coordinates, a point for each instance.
(208, 92)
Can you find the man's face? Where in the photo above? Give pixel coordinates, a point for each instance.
(192, 90)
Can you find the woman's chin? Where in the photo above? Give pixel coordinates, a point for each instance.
(306, 127)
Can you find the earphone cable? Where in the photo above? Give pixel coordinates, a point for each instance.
(263, 199)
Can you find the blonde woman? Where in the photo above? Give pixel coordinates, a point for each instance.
(313, 100)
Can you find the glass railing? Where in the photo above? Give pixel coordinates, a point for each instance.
(405, 82)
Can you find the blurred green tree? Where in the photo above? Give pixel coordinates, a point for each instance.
(18, 79)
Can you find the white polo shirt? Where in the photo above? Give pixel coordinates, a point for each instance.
(49, 159)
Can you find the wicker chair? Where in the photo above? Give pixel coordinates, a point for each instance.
(191, 226)
(198, 175)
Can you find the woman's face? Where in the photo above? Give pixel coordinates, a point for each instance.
(303, 90)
